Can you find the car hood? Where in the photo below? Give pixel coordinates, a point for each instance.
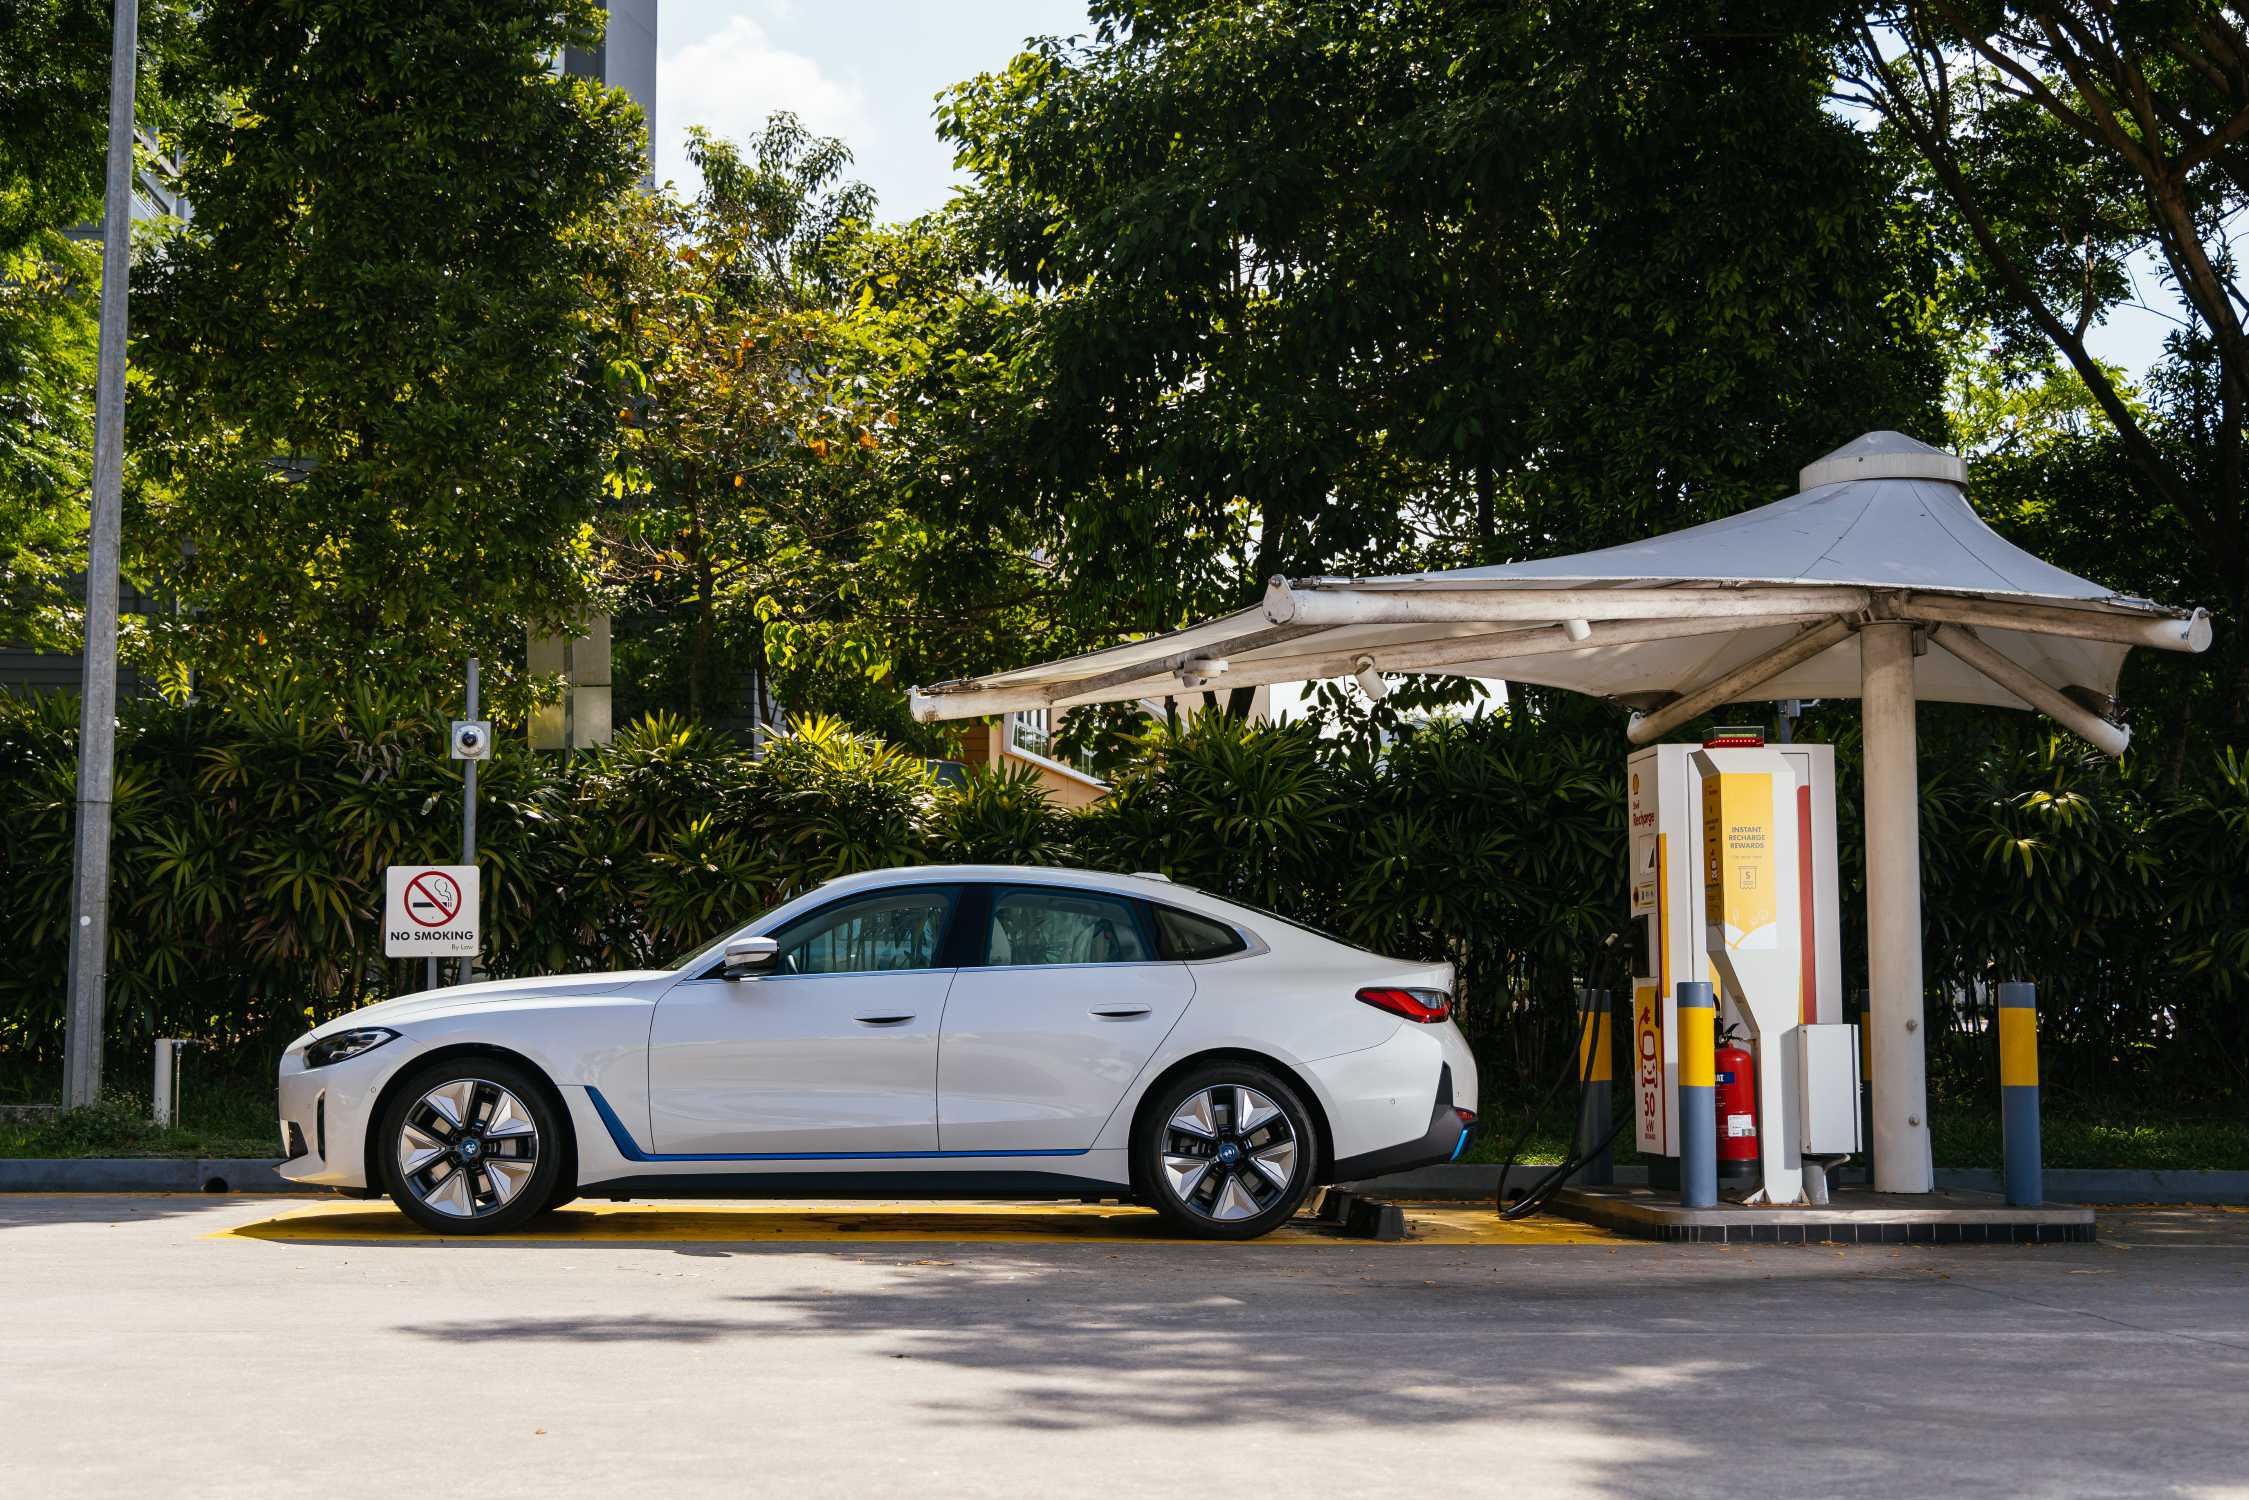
(488, 993)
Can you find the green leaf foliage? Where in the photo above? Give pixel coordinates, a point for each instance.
(252, 835)
(375, 422)
(1326, 288)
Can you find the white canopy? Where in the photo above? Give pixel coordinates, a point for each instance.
(1876, 581)
(1881, 530)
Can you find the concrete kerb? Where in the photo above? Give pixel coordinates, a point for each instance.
(146, 1174)
(2063, 1184)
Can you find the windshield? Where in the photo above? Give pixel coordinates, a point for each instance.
(687, 955)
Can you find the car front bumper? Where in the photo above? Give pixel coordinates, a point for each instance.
(325, 1114)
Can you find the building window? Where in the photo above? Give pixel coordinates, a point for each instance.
(1028, 730)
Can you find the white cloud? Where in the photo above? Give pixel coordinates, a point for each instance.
(731, 80)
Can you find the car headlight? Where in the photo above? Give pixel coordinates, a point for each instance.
(334, 1049)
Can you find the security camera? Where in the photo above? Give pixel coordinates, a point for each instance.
(472, 739)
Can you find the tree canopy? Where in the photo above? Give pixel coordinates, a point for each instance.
(1323, 288)
(375, 419)
(1232, 288)
(2053, 145)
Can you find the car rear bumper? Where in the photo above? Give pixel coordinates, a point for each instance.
(1446, 1137)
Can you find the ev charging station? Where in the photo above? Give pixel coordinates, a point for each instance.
(1735, 882)
(1876, 580)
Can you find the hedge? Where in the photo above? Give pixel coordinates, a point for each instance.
(251, 839)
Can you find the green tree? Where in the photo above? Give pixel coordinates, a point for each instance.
(2053, 143)
(1326, 287)
(377, 416)
(47, 342)
(54, 124)
(795, 514)
(737, 469)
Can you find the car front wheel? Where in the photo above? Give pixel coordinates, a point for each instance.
(470, 1146)
(1226, 1152)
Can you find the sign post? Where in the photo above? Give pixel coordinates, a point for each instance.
(431, 911)
(471, 742)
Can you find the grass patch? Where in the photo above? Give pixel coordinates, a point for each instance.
(1961, 1138)
(1966, 1137)
(218, 1119)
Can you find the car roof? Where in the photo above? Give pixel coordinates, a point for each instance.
(1263, 926)
(1155, 887)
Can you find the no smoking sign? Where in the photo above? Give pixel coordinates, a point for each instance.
(430, 911)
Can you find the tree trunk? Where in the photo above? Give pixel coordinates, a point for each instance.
(699, 659)
(2231, 557)
(1272, 527)
(1485, 483)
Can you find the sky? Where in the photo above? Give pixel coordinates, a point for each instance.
(865, 70)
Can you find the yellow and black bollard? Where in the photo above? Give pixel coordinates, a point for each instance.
(2024, 1161)
(1594, 1065)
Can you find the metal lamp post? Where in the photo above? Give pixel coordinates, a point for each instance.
(97, 723)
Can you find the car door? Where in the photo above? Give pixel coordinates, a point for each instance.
(1045, 1034)
(833, 1053)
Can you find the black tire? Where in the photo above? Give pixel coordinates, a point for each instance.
(1240, 1193)
(465, 1188)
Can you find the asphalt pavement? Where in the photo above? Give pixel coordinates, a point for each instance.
(189, 1345)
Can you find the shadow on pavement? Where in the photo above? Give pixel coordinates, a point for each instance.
(1637, 1370)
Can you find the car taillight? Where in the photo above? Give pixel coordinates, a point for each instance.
(1425, 1006)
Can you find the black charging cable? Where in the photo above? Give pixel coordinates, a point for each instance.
(1534, 1197)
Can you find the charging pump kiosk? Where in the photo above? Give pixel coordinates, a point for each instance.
(1734, 881)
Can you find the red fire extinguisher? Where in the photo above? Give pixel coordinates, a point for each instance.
(1736, 1096)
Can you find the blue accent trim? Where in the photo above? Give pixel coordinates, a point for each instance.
(628, 1148)
(1459, 1145)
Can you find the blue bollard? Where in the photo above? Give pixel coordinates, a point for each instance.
(1698, 1096)
(2025, 1163)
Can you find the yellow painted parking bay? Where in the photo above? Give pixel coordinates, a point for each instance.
(861, 1223)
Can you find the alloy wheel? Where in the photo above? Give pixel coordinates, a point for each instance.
(467, 1148)
(1229, 1152)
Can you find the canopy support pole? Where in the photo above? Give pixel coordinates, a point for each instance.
(2109, 739)
(1893, 909)
(1646, 729)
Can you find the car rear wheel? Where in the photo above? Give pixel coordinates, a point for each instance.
(1226, 1151)
(470, 1146)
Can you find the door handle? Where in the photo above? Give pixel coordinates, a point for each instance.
(884, 1020)
(1120, 1012)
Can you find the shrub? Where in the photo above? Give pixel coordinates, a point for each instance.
(252, 837)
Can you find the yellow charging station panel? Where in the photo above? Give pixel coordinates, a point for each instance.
(1740, 886)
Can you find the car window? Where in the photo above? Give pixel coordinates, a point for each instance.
(1064, 927)
(1183, 935)
(867, 934)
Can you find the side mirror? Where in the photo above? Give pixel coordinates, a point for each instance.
(746, 958)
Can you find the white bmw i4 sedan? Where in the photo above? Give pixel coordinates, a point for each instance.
(939, 1032)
